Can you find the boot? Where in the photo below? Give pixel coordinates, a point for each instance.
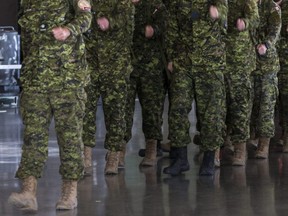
(239, 157)
(141, 152)
(262, 151)
(217, 158)
(208, 164)
(180, 163)
(150, 153)
(26, 199)
(112, 163)
(173, 153)
(87, 156)
(121, 164)
(68, 198)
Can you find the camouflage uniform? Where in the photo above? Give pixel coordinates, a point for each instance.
(241, 61)
(195, 46)
(109, 62)
(53, 77)
(283, 73)
(264, 78)
(148, 77)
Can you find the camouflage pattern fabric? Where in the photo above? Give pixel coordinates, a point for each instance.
(37, 110)
(109, 62)
(48, 63)
(264, 78)
(196, 47)
(241, 61)
(148, 77)
(283, 73)
(53, 79)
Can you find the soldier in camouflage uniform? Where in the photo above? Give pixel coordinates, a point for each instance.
(53, 78)
(108, 46)
(264, 78)
(196, 53)
(148, 79)
(241, 61)
(283, 74)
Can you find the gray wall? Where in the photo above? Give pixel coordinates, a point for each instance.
(8, 13)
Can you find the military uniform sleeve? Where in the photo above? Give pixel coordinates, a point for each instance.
(120, 15)
(172, 30)
(159, 15)
(222, 6)
(274, 26)
(82, 19)
(251, 15)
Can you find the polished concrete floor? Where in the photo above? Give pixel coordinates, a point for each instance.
(260, 188)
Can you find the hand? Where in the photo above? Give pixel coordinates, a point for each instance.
(149, 31)
(214, 14)
(135, 1)
(103, 23)
(261, 49)
(240, 25)
(60, 33)
(170, 67)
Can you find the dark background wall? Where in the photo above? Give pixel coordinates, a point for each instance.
(8, 13)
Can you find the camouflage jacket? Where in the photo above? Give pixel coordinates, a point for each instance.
(120, 14)
(283, 43)
(154, 13)
(268, 33)
(49, 64)
(191, 30)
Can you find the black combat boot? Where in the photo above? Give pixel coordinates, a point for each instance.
(141, 152)
(180, 163)
(173, 153)
(208, 166)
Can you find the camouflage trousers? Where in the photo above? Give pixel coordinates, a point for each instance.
(37, 110)
(264, 96)
(112, 88)
(207, 88)
(238, 97)
(148, 82)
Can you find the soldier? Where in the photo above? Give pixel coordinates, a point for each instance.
(53, 78)
(196, 53)
(264, 78)
(283, 74)
(241, 61)
(108, 46)
(148, 77)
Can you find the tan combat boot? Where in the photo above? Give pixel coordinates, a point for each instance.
(26, 199)
(262, 151)
(68, 198)
(122, 153)
(239, 157)
(87, 156)
(112, 162)
(150, 153)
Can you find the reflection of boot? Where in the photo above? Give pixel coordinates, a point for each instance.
(239, 176)
(112, 163)
(262, 151)
(239, 158)
(208, 164)
(26, 199)
(150, 153)
(68, 198)
(180, 164)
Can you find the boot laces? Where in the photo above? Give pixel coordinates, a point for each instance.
(112, 159)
